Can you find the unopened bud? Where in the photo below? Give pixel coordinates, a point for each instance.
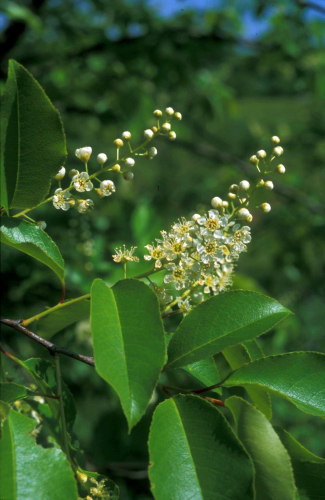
(234, 188)
(73, 172)
(275, 139)
(118, 143)
(216, 202)
(254, 159)
(101, 158)
(157, 113)
(166, 127)
(225, 204)
(265, 207)
(126, 135)
(169, 111)
(278, 151)
(178, 116)
(244, 185)
(128, 176)
(152, 152)
(129, 162)
(243, 213)
(172, 136)
(61, 173)
(41, 224)
(280, 169)
(71, 202)
(261, 154)
(84, 153)
(231, 196)
(82, 477)
(268, 185)
(99, 192)
(260, 183)
(117, 167)
(93, 491)
(196, 217)
(154, 129)
(148, 134)
(249, 218)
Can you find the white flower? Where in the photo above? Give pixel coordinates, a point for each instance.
(157, 253)
(107, 187)
(84, 153)
(82, 183)
(125, 255)
(184, 304)
(84, 205)
(178, 275)
(61, 199)
(213, 221)
(61, 173)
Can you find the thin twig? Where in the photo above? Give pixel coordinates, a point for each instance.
(16, 324)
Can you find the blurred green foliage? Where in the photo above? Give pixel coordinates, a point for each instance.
(106, 66)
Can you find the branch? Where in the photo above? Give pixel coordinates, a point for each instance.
(52, 348)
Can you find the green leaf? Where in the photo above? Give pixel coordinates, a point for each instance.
(205, 371)
(33, 141)
(61, 318)
(4, 412)
(273, 472)
(29, 471)
(10, 392)
(222, 321)
(194, 454)
(31, 239)
(238, 356)
(309, 469)
(296, 376)
(129, 342)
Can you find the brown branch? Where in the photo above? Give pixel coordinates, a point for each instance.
(52, 348)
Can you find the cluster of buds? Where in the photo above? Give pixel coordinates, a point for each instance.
(82, 181)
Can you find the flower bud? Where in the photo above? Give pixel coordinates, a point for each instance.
(225, 204)
(265, 207)
(196, 217)
(169, 111)
(84, 153)
(94, 491)
(244, 185)
(275, 139)
(261, 154)
(157, 113)
(280, 169)
(117, 167)
(99, 192)
(61, 173)
(148, 134)
(154, 129)
(249, 218)
(231, 196)
(118, 143)
(268, 185)
(107, 187)
(278, 151)
(234, 188)
(126, 135)
(129, 162)
(71, 202)
(172, 136)
(152, 152)
(253, 159)
(101, 158)
(73, 172)
(178, 116)
(41, 224)
(166, 127)
(260, 183)
(82, 477)
(128, 176)
(243, 213)
(216, 202)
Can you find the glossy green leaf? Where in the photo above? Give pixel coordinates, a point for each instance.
(29, 471)
(296, 376)
(308, 469)
(238, 356)
(129, 342)
(222, 321)
(273, 472)
(10, 392)
(4, 412)
(33, 141)
(194, 454)
(205, 371)
(31, 239)
(59, 319)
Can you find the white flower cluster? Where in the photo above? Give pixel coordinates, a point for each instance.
(199, 254)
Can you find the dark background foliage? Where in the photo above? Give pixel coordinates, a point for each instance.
(240, 72)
